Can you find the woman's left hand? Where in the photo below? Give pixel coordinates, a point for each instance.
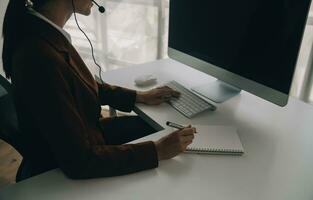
(157, 96)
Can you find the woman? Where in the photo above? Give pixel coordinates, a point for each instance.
(58, 101)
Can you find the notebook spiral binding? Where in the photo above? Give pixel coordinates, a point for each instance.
(213, 150)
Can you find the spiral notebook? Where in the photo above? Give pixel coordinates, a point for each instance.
(216, 140)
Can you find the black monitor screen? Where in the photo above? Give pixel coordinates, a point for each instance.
(256, 39)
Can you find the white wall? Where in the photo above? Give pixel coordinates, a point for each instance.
(3, 6)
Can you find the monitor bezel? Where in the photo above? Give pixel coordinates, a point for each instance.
(255, 88)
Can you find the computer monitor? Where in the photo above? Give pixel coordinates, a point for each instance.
(251, 45)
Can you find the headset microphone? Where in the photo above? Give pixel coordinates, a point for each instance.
(101, 8)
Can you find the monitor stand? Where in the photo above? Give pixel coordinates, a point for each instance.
(218, 91)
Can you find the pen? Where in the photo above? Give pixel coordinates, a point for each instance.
(174, 125)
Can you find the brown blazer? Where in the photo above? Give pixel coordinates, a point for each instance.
(58, 105)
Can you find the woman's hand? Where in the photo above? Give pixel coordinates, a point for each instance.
(157, 96)
(174, 143)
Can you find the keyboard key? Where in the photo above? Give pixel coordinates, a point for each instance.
(188, 103)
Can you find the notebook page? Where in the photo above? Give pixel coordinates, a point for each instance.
(216, 138)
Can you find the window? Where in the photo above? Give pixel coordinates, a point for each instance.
(131, 32)
(303, 77)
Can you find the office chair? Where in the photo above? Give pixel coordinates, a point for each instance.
(9, 131)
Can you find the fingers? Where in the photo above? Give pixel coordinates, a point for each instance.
(186, 136)
(168, 92)
(164, 88)
(188, 131)
(187, 144)
(166, 98)
(184, 145)
(175, 93)
(186, 139)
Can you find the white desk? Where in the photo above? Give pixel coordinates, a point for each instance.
(278, 164)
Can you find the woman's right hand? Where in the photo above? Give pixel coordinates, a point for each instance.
(174, 143)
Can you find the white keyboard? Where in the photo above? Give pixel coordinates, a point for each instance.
(188, 103)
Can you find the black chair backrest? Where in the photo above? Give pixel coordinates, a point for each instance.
(9, 131)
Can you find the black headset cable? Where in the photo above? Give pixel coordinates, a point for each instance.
(92, 49)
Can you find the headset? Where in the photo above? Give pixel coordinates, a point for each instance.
(101, 10)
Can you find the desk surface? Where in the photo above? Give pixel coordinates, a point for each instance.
(277, 164)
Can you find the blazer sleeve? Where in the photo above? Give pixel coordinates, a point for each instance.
(48, 94)
(117, 97)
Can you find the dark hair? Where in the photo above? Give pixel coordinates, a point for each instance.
(13, 28)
